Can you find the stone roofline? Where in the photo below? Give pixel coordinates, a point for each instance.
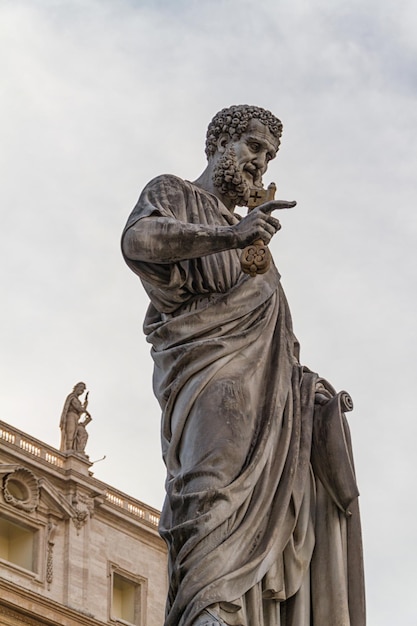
(75, 466)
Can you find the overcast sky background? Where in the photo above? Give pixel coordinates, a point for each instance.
(97, 97)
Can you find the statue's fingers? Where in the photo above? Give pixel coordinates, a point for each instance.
(274, 222)
(276, 205)
(270, 230)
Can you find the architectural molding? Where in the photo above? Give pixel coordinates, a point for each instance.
(21, 606)
(21, 489)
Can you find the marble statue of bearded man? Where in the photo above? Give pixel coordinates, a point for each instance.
(261, 524)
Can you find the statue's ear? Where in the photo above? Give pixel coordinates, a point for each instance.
(223, 142)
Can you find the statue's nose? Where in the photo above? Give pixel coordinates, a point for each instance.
(260, 161)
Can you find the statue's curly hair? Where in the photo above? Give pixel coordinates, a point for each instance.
(234, 121)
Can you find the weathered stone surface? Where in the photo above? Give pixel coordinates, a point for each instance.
(253, 535)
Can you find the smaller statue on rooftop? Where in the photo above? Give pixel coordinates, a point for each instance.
(73, 432)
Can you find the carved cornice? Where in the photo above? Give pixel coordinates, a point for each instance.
(24, 491)
(21, 606)
(15, 618)
(71, 473)
(57, 498)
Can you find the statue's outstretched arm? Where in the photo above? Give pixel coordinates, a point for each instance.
(165, 240)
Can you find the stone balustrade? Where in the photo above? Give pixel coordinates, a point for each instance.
(17, 439)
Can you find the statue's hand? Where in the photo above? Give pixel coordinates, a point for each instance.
(273, 205)
(259, 223)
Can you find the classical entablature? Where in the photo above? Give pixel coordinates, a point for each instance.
(22, 489)
(20, 607)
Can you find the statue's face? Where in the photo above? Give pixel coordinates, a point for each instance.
(79, 389)
(241, 163)
(255, 148)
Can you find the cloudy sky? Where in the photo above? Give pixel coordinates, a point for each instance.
(98, 97)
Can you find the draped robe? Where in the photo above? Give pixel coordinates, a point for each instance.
(71, 413)
(251, 531)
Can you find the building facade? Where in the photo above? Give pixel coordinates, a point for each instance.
(73, 550)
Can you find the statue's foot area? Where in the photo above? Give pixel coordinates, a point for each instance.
(209, 618)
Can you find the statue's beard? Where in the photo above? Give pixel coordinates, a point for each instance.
(229, 179)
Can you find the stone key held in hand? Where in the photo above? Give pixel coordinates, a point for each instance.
(256, 258)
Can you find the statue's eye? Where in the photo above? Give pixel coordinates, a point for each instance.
(254, 146)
